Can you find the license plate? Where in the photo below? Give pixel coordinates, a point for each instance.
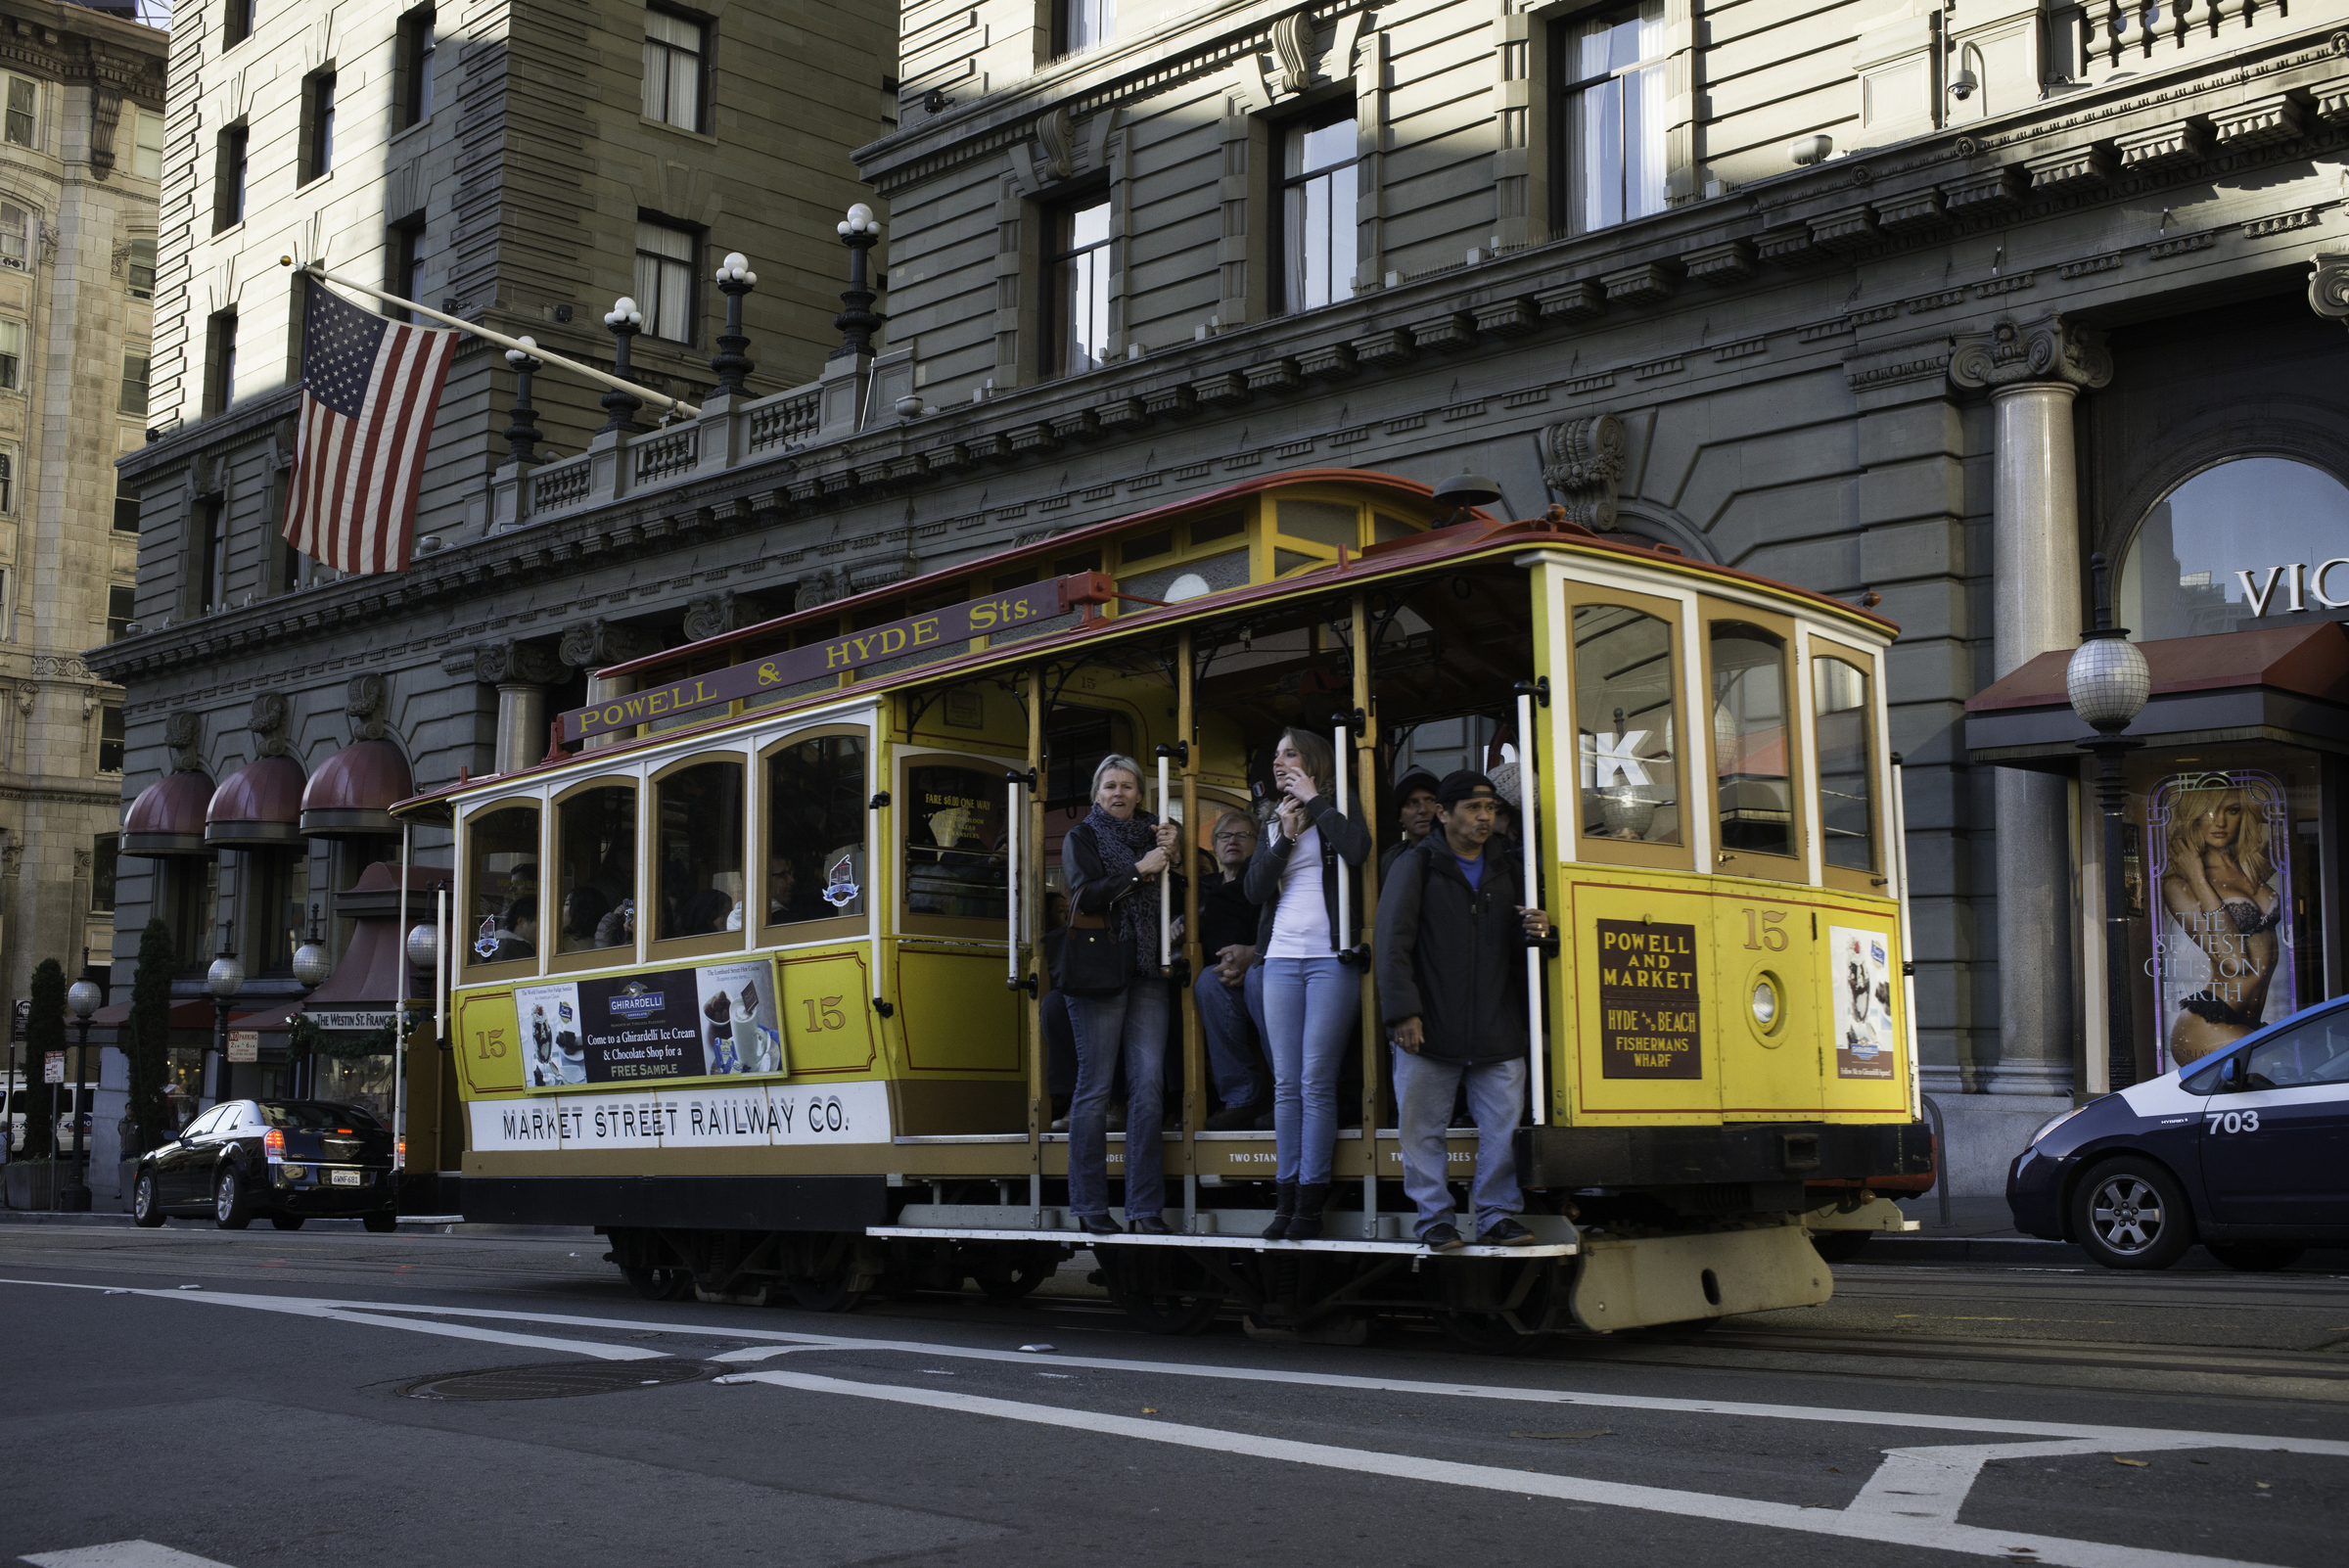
(342, 1178)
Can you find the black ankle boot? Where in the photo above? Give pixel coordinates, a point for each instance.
(1311, 1198)
(1285, 1210)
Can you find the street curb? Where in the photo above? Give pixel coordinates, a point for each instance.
(435, 1226)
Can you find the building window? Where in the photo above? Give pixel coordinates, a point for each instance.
(403, 250)
(239, 23)
(134, 386)
(219, 361)
(1317, 198)
(277, 890)
(119, 613)
(673, 48)
(208, 572)
(23, 123)
(192, 901)
(318, 126)
(12, 355)
(8, 484)
(1082, 25)
(228, 182)
(416, 45)
(147, 152)
(140, 268)
(2242, 540)
(1610, 119)
(665, 277)
(126, 507)
(1078, 269)
(103, 851)
(16, 236)
(109, 737)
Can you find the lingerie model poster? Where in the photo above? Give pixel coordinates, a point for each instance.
(2219, 851)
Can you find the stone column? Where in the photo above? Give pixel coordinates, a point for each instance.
(598, 644)
(2033, 371)
(521, 672)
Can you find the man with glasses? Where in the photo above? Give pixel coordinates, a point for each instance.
(1227, 935)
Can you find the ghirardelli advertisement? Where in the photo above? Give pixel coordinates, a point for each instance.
(1648, 1020)
(1863, 991)
(713, 1021)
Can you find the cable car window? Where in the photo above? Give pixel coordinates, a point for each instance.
(955, 862)
(1839, 703)
(1623, 689)
(595, 854)
(815, 816)
(699, 850)
(502, 882)
(1749, 739)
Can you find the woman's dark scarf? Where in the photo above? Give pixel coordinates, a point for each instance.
(1135, 920)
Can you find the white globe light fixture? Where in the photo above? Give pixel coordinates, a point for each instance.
(83, 998)
(623, 312)
(2109, 683)
(424, 945)
(226, 977)
(528, 352)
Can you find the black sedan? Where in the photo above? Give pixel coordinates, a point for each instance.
(2246, 1151)
(287, 1159)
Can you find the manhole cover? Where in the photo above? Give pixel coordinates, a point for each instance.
(557, 1380)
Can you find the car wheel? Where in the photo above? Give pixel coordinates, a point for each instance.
(146, 1209)
(2131, 1213)
(1839, 1246)
(380, 1221)
(231, 1210)
(2255, 1257)
(287, 1221)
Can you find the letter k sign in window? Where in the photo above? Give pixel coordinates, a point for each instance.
(1609, 758)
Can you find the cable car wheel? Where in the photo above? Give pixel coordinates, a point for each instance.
(1151, 1291)
(1012, 1273)
(658, 1284)
(820, 1270)
(1492, 1307)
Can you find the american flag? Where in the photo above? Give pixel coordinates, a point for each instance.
(370, 387)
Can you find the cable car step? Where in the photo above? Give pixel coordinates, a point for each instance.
(1226, 1243)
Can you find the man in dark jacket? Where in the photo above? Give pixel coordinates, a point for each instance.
(1451, 940)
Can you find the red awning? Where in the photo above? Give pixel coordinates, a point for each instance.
(256, 806)
(168, 817)
(351, 794)
(2310, 659)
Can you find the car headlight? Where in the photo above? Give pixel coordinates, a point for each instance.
(2053, 1123)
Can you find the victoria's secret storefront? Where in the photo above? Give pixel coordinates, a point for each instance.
(2230, 589)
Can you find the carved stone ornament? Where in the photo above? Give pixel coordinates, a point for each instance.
(183, 737)
(1055, 144)
(81, 864)
(10, 854)
(106, 112)
(1293, 43)
(2328, 285)
(711, 614)
(1581, 459)
(826, 585)
(2049, 348)
(267, 720)
(365, 701)
(507, 664)
(600, 644)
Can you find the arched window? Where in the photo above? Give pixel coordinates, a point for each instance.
(2181, 576)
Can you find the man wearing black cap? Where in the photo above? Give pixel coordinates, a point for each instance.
(1451, 987)
(1415, 814)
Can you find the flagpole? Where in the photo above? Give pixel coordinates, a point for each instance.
(632, 388)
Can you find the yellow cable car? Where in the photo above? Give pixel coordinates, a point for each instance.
(750, 972)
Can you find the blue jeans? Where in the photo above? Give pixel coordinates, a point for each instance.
(1424, 1088)
(1132, 1024)
(1310, 1009)
(1230, 1040)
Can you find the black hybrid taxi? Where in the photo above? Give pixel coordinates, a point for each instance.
(287, 1159)
(2246, 1151)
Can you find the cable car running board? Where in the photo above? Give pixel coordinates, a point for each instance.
(1242, 1242)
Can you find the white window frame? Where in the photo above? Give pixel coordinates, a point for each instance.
(8, 111)
(12, 355)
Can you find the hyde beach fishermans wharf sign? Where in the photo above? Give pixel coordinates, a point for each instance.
(1647, 1000)
(935, 632)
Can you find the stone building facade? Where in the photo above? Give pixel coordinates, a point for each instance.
(80, 130)
(1916, 307)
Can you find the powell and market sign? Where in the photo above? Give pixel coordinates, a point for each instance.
(935, 632)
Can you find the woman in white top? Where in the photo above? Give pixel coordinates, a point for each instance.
(1312, 999)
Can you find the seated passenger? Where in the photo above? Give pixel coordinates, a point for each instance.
(1228, 933)
(520, 937)
(1415, 814)
(1451, 985)
(583, 913)
(618, 927)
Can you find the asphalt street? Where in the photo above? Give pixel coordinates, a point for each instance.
(259, 1397)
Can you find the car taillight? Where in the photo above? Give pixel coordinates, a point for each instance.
(273, 1143)
(344, 1132)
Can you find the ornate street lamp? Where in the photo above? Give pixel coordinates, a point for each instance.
(735, 280)
(81, 999)
(859, 231)
(2109, 684)
(225, 978)
(522, 436)
(625, 321)
(313, 963)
